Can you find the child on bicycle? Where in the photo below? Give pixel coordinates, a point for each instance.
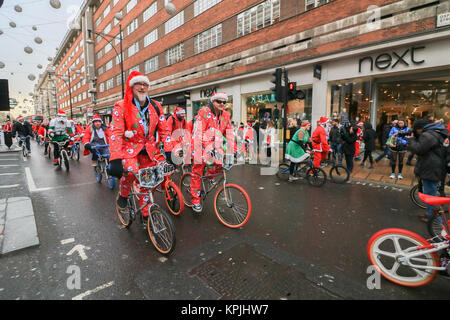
(96, 134)
(295, 150)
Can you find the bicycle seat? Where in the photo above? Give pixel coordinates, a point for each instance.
(433, 200)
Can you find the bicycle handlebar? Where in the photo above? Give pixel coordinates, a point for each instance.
(100, 146)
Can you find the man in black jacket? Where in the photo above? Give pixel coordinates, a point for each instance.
(24, 130)
(427, 143)
(336, 140)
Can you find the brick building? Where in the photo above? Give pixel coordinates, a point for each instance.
(378, 59)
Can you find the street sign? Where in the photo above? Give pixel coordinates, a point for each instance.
(443, 19)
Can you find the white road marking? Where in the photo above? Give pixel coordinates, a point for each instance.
(89, 292)
(8, 159)
(9, 174)
(80, 248)
(66, 241)
(30, 181)
(9, 186)
(9, 165)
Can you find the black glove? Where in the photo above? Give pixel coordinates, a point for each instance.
(116, 168)
(87, 146)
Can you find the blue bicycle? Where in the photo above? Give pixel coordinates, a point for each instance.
(74, 148)
(102, 165)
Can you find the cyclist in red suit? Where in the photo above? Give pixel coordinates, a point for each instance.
(319, 142)
(96, 134)
(359, 135)
(137, 128)
(212, 123)
(180, 135)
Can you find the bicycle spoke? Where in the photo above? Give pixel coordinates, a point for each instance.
(385, 253)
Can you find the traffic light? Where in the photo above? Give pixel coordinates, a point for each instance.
(278, 89)
(293, 93)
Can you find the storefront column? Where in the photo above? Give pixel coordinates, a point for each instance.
(237, 103)
(374, 103)
(189, 110)
(320, 97)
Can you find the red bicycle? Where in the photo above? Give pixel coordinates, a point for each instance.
(406, 258)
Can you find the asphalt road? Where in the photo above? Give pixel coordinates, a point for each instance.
(301, 242)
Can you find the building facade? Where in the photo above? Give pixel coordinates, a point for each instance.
(372, 60)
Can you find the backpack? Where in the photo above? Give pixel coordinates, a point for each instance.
(444, 143)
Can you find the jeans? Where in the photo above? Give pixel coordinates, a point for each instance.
(386, 152)
(337, 148)
(27, 141)
(430, 188)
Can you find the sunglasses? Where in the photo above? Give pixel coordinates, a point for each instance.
(220, 101)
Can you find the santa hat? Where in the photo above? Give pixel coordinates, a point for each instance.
(360, 124)
(97, 118)
(130, 111)
(180, 111)
(322, 120)
(19, 118)
(305, 123)
(219, 95)
(61, 113)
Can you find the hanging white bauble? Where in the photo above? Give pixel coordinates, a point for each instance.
(18, 8)
(34, 28)
(50, 59)
(31, 77)
(56, 4)
(38, 40)
(170, 8)
(2, 65)
(12, 24)
(39, 66)
(28, 50)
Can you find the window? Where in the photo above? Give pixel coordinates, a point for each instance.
(100, 70)
(108, 47)
(118, 59)
(102, 87)
(109, 65)
(99, 54)
(131, 5)
(151, 37)
(310, 4)
(149, 12)
(174, 22)
(132, 26)
(258, 17)
(133, 49)
(98, 21)
(175, 54)
(107, 10)
(119, 79)
(151, 65)
(107, 29)
(135, 68)
(201, 6)
(115, 2)
(208, 39)
(110, 84)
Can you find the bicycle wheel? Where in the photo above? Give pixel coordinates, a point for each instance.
(111, 182)
(66, 160)
(232, 205)
(387, 246)
(161, 231)
(283, 172)
(98, 173)
(124, 215)
(435, 226)
(316, 177)
(24, 152)
(413, 194)
(174, 199)
(185, 188)
(339, 174)
(77, 153)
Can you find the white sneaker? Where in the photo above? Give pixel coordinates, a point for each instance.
(197, 208)
(292, 178)
(392, 176)
(400, 176)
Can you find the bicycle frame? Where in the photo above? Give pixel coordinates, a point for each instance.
(430, 249)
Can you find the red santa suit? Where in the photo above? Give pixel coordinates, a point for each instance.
(89, 135)
(136, 133)
(319, 142)
(180, 135)
(209, 125)
(359, 135)
(8, 126)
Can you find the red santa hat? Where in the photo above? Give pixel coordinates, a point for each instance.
(322, 120)
(129, 110)
(179, 110)
(61, 113)
(97, 118)
(219, 95)
(19, 118)
(360, 124)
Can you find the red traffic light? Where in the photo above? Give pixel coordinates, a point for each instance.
(292, 86)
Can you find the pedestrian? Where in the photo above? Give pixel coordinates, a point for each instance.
(398, 146)
(385, 136)
(427, 143)
(349, 137)
(369, 138)
(269, 138)
(359, 135)
(319, 141)
(296, 148)
(335, 141)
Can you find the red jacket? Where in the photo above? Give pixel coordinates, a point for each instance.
(8, 127)
(88, 134)
(319, 140)
(183, 135)
(42, 131)
(125, 148)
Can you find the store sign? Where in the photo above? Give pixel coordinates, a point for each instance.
(207, 93)
(443, 19)
(262, 98)
(392, 59)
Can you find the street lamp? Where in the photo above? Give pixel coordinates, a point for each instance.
(66, 78)
(119, 17)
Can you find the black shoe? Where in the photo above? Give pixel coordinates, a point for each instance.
(121, 202)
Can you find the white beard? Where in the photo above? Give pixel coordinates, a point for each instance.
(141, 98)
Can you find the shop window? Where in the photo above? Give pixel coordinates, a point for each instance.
(351, 101)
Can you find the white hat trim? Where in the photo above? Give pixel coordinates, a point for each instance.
(219, 95)
(137, 79)
(181, 111)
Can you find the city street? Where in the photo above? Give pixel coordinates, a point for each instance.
(300, 242)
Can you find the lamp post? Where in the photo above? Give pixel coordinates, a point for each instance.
(66, 77)
(119, 17)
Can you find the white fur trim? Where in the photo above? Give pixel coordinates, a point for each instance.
(180, 112)
(137, 79)
(219, 95)
(129, 134)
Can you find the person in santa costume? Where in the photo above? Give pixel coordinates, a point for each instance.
(247, 140)
(211, 125)
(180, 136)
(320, 142)
(95, 135)
(42, 134)
(359, 136)
(138, 127)
(59, 130)
(296, 150)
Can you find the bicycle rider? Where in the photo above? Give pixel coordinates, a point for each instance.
(138, 127)
(59, 130)
(95, 135)
(211, 124)
(24, 131)
(296, 150)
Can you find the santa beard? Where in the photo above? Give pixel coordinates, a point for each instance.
(141, 98)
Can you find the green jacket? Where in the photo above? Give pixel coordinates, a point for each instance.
(294, 152)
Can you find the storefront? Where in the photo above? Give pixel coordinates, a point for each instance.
(172, 101)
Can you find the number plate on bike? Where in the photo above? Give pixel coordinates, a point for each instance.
(151, 177)
(168, 169)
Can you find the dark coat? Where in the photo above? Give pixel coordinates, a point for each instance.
(369, 137)
(349, 140)
(335, 135)
(431, 154)
(24, 129)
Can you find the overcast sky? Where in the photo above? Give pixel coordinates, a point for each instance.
(52, 26)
